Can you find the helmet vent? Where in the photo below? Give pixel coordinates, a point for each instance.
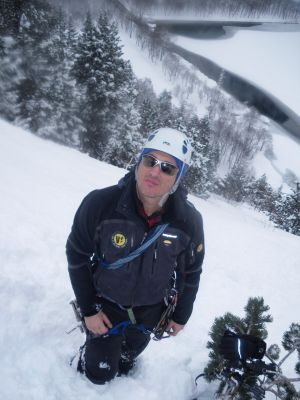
(184, 147)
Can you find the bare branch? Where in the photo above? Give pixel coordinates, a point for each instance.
(285, 357)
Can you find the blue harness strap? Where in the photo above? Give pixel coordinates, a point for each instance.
(159, 230)
(121, 327)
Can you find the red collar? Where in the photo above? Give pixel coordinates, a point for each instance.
(152, 219)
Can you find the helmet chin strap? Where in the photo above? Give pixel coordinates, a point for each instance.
(163, 199)
(176, 184)
(173, 189)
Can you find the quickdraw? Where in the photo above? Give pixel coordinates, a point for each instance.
(160, 329)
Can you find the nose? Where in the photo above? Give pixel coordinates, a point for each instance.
(155, 171)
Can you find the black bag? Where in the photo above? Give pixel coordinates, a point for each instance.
(235, 347)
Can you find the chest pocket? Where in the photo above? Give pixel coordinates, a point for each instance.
(165, 254)
(115, 239)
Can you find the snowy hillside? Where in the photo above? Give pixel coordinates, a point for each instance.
(268, 59)
(260, 54)
(42, 185)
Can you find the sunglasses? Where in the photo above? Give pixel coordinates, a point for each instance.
(167, 168)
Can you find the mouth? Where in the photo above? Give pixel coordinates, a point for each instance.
(151, 182)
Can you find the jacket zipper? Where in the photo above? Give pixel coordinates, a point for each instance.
(139, 270)
(154, 259)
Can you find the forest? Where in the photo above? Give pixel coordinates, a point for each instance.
(68, 82)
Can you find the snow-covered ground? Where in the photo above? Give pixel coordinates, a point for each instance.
(270, 59)
(42, 185)
(144, 67)
(287, 158)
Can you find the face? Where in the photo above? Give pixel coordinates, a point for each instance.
(151, 181)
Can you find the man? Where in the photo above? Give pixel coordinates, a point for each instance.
(129, 245)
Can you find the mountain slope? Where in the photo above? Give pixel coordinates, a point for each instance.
(42, 185)
(276, 72)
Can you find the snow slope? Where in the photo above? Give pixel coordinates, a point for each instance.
(287, 158)
(42, 185)
(277, 63)
(144, 67)
(268, 58)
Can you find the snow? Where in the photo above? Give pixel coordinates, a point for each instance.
(287, 157)
(269, 59)
(42, 184)
(144, 67)
(141, 64)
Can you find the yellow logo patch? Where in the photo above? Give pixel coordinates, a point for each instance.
(200, 248)
(119, 240)
(167, 242)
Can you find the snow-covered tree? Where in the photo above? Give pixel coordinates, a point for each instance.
(36, 25)
(148, 117)
(47, 102)
(10, 13)
(126, 141)
(61, 98)
(287, 212)
(146, 101)
(201, 172)
(261, 194)
(103, 76)
(9, 77)
(145, 91)
(235, 185)
(165, 109)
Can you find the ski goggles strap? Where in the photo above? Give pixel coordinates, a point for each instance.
(159, 230)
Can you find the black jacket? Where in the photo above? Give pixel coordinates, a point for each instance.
(108, 226)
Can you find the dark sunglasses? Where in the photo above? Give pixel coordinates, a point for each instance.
(167, 168)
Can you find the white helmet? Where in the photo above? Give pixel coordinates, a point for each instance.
(172, 142)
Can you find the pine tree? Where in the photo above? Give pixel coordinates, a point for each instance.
(145, 91)
(180, 118)
(146, 102)
(148, 117)
(36, 25)
(287, 212)
(292, 205)
(59, 118)
(197, 175)
(10, 13)
(68, 122)
(102, 74)
(261, 195)
(210, 156)
(254, 324)
(235, 185)
(2, 48)
(8, 78)
(126, 141)
(291, 343)
(165, 109)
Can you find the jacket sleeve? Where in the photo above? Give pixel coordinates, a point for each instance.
(79, 250)
(190, 273)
